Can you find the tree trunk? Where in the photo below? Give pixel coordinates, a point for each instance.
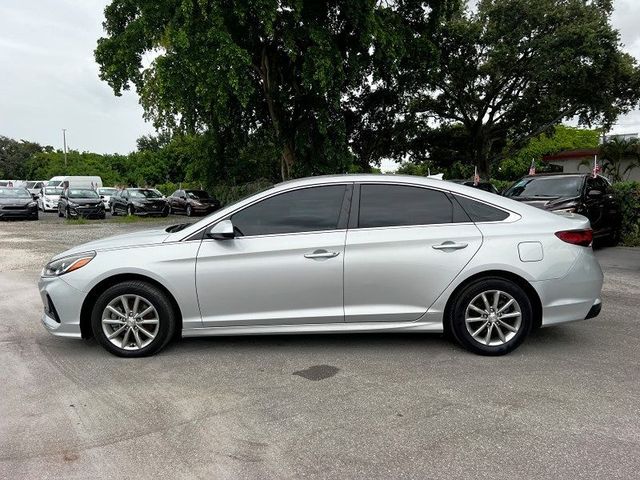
(286, 161)
(481, 155)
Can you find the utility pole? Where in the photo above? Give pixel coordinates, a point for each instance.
(64, 143)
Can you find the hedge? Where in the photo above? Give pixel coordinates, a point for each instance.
(628, 193)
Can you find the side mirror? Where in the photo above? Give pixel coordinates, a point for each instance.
(594, 193)
(222, 230)
(34, 196)
(102, 197)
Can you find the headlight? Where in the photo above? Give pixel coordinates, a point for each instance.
(67, 264)
(73, 204)
(46, 199)
(32, 204)
(197, 204)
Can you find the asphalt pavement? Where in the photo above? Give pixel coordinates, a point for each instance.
(565, 405)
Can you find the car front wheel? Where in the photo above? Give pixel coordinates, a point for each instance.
(133, 319)
(491, 316)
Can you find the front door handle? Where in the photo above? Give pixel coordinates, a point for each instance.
(321, 254)
(450, 246)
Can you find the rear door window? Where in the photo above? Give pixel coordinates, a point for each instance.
(398, 205)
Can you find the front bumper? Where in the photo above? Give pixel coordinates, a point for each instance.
(50, 206)
(62, 305)
(145, 210)
(18, 212)
(87, 212)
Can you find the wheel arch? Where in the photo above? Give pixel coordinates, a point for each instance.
(96, 291)
(536, 303)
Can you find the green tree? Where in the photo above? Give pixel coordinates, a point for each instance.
(14, 156)
(612, 154)
(512, 69)
(318, 80)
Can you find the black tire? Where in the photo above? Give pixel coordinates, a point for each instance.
(60, 214)
(130, 210)
(156, 297)
(67, 215)
(458, 325)
(189, 211)
(113, 211)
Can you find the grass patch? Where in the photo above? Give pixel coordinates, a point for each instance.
(133, 219)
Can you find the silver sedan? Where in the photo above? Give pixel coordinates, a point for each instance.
(351, 253)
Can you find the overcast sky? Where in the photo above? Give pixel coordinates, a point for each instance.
(49, 79)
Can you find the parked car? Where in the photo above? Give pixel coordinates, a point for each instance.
(139, 201)
(192, 202)
(105, 194)
(49, 198)
(17, 203)
(486, 186)
(75, 181)
(345, 253)
(80, 202)
(577, 193)
(34, 187)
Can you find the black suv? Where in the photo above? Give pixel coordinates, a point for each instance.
(139, 201)
(192, 202)
(80, 202)
(573, 193)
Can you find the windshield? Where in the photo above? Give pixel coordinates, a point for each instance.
(53, 183)
(145, 193)
(52, 191)
(197, 194)
(33, 184)
(546, 187)
(106, 191)
(82, 193)
(14, 193)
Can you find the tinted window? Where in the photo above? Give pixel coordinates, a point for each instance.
(480, 212)
(81, 193)
(197, 194)
(546, 187)
(144, 193)
(392, 205)
(305, 210)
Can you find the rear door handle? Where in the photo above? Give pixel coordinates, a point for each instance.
(321, 254)
(450, 246)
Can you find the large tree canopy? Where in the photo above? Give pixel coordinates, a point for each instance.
(319, 80)
(512, 69)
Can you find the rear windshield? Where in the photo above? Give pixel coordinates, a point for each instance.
(82, 193)
(145, 193)
(546, 187)
(14, 193)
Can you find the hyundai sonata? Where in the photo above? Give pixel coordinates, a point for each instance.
(333, 254)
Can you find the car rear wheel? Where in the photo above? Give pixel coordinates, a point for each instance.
(60, 214)
(189, 211)
(130, 210)
(133, 319)
(113, 211)
(491, 316)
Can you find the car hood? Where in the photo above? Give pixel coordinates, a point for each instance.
(15, 201)
(127, 240)
(548, 203)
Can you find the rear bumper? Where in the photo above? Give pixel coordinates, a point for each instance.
(576, 296)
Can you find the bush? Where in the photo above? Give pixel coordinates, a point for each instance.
(628, 194)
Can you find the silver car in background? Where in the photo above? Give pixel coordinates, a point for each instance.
(350, 253)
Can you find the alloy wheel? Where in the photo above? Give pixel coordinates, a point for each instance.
(493, 318)
(130, 322)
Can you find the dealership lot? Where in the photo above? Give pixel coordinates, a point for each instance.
(564, 405)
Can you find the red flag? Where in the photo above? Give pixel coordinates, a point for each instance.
(532, 168)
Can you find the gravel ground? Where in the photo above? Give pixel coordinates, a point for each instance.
(565, 405)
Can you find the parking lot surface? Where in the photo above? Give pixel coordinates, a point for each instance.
(566, 404)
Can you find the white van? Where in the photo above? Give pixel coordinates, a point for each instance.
(75, 182)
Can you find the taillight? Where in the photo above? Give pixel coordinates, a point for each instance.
(576, 237)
